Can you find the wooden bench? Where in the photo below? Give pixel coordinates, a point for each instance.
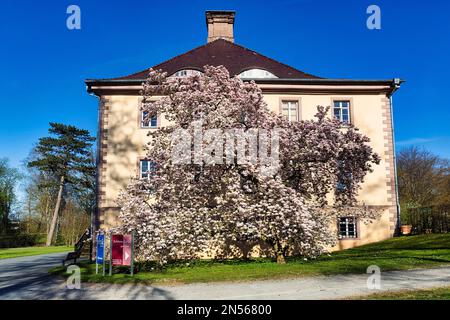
(71, 256)
(78, 248)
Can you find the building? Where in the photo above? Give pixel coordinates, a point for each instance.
(365, 103)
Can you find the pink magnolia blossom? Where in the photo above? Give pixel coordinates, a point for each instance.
(187, 210)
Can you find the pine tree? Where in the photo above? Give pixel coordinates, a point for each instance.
(67, 156)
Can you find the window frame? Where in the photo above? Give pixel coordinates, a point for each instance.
(150, 126)
(350, 109)
(291, 99)
(140, 117)
(140, 173)
(186, 72)
(356, 230)
(341, 187)
(258, 73)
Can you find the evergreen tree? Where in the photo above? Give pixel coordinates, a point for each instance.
(67, 156)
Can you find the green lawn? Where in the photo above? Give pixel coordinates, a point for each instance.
(31, 251)
(425, 294)
(393, 254)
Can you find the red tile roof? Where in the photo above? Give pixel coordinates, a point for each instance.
(222, 52)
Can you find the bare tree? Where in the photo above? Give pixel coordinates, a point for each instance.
(9, 178)
(419, 177)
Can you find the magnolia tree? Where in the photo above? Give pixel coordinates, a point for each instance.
(226, 170)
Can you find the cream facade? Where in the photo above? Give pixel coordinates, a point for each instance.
(122, 139)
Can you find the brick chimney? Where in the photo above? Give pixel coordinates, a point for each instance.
(220, 25)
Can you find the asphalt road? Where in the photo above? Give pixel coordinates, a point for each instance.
(27, 278)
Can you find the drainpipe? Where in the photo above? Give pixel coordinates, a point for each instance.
(397, 83)
(94, 213)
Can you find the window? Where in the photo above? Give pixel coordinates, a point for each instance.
(147, 169)
(289, 109)
(248, 184)
(186, 73)
(147, 122)
(341, 186)
(256, 74)
(341, 111)
(344, 178)
(347, 228)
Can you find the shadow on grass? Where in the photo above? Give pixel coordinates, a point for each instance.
(393, 254)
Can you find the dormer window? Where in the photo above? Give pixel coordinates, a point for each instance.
(256, 74)
(186, 73)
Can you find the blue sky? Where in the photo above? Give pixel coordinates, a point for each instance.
(43, 64)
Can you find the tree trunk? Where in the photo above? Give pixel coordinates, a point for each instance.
(55, 213)
(280, 258)
(4, 222)
(46, 213)
(5, 208)
(280, 251)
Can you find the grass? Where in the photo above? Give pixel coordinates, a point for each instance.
(393, 254)
(31, 251)
(423, 294)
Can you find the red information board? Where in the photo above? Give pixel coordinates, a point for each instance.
(121, 249)
(117, 250)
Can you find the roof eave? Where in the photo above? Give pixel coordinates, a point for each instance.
(271, 80)
(393, 84)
